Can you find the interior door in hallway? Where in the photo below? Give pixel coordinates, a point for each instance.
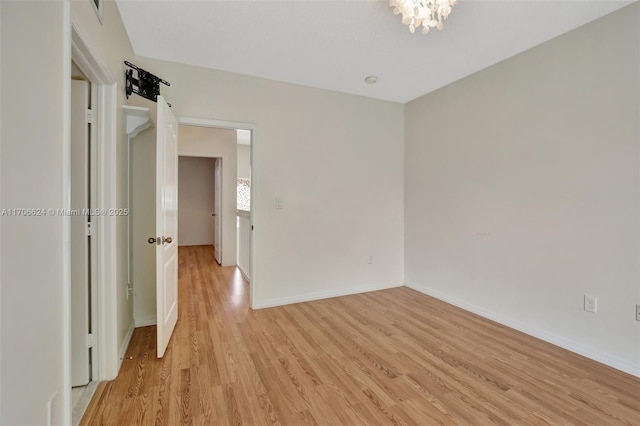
(217, 214)
(166, 224)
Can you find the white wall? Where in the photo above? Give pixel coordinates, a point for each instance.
(32, 154)
(522, 190)
(244, 244)
(221, 143)
(244, 161)
(336, 160)
(196, 178)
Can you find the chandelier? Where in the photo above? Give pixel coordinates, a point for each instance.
(428, 13)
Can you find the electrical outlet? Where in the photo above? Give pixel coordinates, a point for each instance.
(637, 312)
(590, 303)
(370, 260)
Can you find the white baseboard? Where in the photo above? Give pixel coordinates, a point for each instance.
(568, 344)
(145, 322)
(125, 346)
(270, 303)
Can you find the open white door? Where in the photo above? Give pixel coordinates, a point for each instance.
(217, 236)
(166, 224)
(79, 234)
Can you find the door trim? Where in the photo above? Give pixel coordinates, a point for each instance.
(235, 125)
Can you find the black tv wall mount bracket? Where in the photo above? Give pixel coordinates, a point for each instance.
(146, 85)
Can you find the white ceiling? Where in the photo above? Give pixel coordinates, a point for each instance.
(335, 44)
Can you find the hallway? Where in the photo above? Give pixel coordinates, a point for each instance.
(387, 357)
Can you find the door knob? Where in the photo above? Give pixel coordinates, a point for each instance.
(151, 240)
(213, 214)
(167, 240)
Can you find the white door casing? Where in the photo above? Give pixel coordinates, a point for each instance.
(166, 224)
(79, 240)
(217, 236)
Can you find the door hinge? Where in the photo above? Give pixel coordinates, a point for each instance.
(90, 116)
(91, 340)
(89, 229)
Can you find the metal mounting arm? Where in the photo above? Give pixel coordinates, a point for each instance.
(146, 85)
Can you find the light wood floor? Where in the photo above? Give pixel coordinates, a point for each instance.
(388, 357)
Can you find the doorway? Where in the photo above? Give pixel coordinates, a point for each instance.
(199, 202)
(218, 139)
(104, 309)
(83, 241)
(153, 224)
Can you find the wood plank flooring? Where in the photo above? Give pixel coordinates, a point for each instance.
(392, 357)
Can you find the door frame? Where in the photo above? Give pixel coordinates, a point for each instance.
(237, 125)
(104, 287)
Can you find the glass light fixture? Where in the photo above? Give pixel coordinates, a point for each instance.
(428, 13)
